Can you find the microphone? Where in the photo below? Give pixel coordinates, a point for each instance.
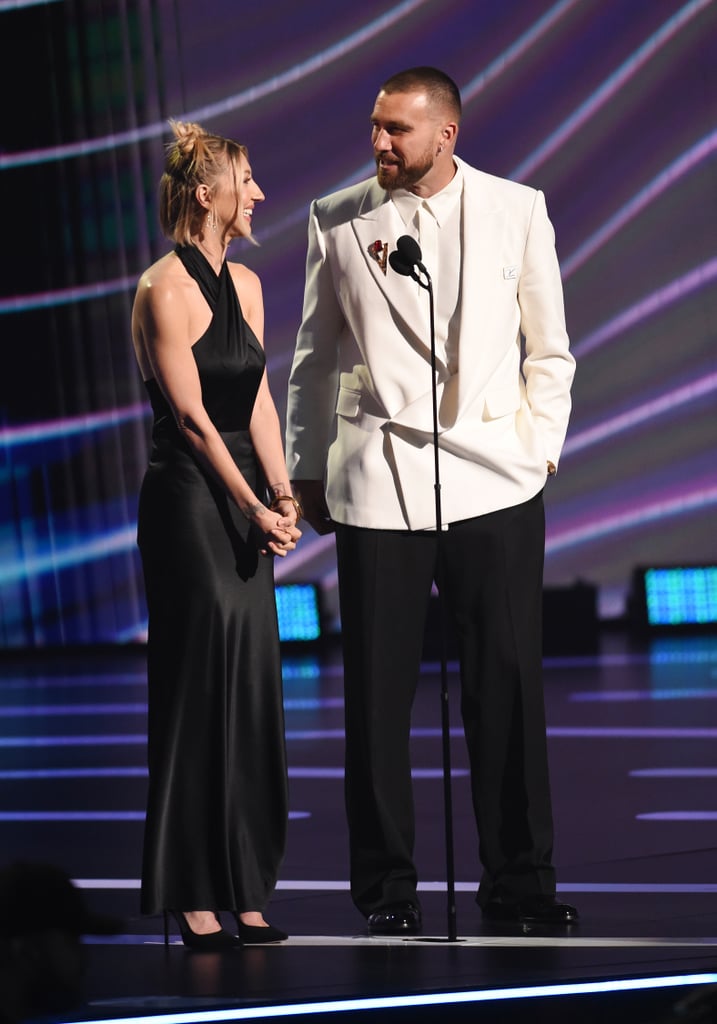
(407, 256)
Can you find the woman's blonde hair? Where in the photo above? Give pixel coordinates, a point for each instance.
(196, 157)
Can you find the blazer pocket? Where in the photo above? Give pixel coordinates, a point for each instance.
(501, 402)
(348, 403)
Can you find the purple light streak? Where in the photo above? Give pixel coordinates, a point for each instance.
(674, 291)
(116, 739)
(298, 735)
(28, 774)
(660, 406)
(678, 816)
(273, 85)
(94, 815)
(517, 50)
(53, 710)
(607, 91)
(636, 516)
(42, 432)
(666, 179)
(637, 696)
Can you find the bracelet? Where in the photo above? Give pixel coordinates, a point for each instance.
(287, 497)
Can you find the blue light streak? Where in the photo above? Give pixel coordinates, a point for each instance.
(636, 696)
(76, 426)
(13, 5)
(432, 999)
(121, 739)
(112, 542)
(137, 772)
(302, 735)
(30, 774)
(55, 710)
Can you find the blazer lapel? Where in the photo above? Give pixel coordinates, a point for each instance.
(480, 233)
(379, 222)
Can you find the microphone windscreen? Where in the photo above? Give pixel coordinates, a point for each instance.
(397, 264)
(409, 249)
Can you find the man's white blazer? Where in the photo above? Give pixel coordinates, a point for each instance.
(360, 405)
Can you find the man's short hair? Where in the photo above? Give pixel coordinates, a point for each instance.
(440, 89)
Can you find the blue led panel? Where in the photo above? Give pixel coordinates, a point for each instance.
(681, 596)
(297, 605)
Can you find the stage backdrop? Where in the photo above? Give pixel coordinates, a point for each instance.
(609, 106)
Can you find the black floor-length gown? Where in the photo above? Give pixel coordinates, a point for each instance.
(217, 803)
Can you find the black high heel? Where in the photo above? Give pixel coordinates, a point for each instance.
(213, 942)
(258, 933)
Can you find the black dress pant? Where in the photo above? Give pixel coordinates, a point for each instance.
(489, 570)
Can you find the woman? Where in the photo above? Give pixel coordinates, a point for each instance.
(217, 802)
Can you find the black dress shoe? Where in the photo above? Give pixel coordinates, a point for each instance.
(395, 919)
(530, 910)
(255, 934)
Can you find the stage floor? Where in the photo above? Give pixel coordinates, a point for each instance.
(632, 732)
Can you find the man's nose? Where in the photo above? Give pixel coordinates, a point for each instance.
(382, 140)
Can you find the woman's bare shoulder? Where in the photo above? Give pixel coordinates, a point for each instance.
(164, 276)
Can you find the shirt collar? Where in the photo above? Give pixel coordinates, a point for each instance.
(441, 204)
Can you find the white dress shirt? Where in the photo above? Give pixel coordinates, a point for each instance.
(436, 224)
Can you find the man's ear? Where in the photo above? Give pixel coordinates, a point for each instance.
(449, 132)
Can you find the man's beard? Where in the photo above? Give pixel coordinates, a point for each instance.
(405, 177)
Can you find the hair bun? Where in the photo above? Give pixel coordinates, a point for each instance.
(186, 133)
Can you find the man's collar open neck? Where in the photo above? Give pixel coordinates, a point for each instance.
(425, 192)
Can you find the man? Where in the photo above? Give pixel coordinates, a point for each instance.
(360, 452)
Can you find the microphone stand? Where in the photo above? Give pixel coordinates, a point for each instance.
(445, 728)
(408, 256)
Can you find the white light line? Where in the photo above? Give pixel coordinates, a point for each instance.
(609, 88)
(666, 295)
(273, 85)
(14, 5)
(343, 885)
(636, 517)
(524, 941)
(463, 997)
(666, 404)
